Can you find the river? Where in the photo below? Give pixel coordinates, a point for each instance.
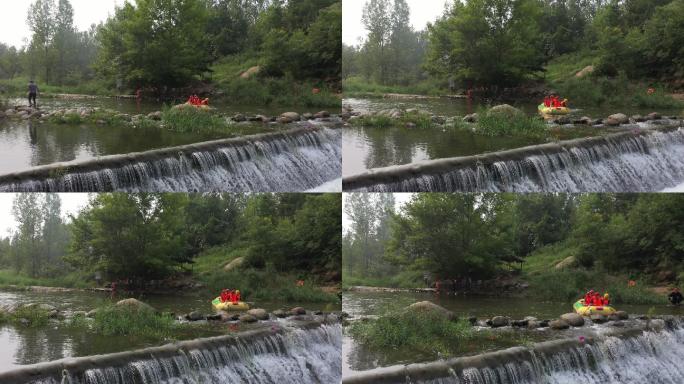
(28, 345)
(358, 358)
(277, 163)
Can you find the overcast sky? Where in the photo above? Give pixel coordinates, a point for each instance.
(71, 203)
(399, 198)
(422, 12)
(13, 13)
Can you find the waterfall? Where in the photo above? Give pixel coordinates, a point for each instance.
(649, 357)
(282, 162)
(297, 356)
(647, 162)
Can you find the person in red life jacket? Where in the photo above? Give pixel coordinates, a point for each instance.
(554, 101)
(547, 101)
(438, 284)
(597, 299)
(564, 103)
(237, 297)
(606, 299)
(224, 296)
(587, 297)
(205, 101)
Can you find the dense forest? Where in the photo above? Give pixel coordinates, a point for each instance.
(492, 44)
(245, 49)
(143, 237)
(489, 235)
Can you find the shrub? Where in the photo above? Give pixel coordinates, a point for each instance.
(115, 321)
(490, 124)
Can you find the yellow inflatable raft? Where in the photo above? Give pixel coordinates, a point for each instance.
(544, 110)
(229, 306)
(584, 310)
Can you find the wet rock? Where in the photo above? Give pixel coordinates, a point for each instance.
(215, 317)
(500, 321)
(472, 118)
(657, 324)
(322, 114)
(618, 323)
(263, 118)
(247, 319)
(563, 120)
(92, 313)
(573, 319)
(155, 115)
(410, 125)
(611, 122)
(54, 314)
(653, 116)
(472, 320)
(307, 116)
(638, 118)
(519, 323)
(239, 118)
(533, 324)
(258, 313)
(302, 318)
(620, 118)
(622, 315)
(430, 307)
(134, 304)
(544, 323)
(289, 117)
(41, 307)
(298, 311)
(254, 119)
(79, 314)
(505, 110)
(439, 120)
(279, 313)
(598, 319)
(195, 316)
(559, 324)
(234, 264)
(24, 322)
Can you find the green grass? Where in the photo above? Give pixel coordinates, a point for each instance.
(255, 284)
(359, 86)
(115, 321)
(490, 124)
(428, 334)
(26, 316)
(68, 280)
(598, 90)
(190, 119)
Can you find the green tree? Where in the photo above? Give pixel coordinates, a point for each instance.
(41, 21)
(27, 211)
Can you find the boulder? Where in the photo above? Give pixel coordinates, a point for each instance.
(307, 116)
(611, 122)
(134, 304)
(79, 314)
(568, 262)
(239, 118)
(505, 110)
(598, 319)
(638, 118)
(195, 316)
(298, 311)
(472, 320)
(472, 118)
(653, 116)
(289, 117)
(215, 317)
(42, 307)
(665, 276)
(500, 321)
(622, 315)
(247, 319)
(588, 70)
(279, 313)
(322, 114)
(430, 307)
(621, 118)
(573, 319)
(155, 115)
(439, 120)
(618, 323)
(533, 324)
(234, 264)
(258, 313)
(519, 323)
(92, 313)
(544, 323)
(558, 324)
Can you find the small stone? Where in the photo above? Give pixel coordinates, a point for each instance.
(322, 114)
(280, 313)
(598, 319)
(621, 118)
(298, 311)
(653, 116)
(611, 122)
(500, 321)
(558, 324)
(258, 313)
(247, 319)
(194, 316)
(239, 118)
(573, 319)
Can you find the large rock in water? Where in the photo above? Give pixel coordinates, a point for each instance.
(431, 308)
(235, 263)
(505, 110)
(573, 319)
(134, 304)
(558, 324)
(621, 118)
(500, 321)
(289, 117)
(259, 313)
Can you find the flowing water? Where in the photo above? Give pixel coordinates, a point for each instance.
(287, 163)
(299, 356)
(359, 358)
(24, 346)
(645, 163)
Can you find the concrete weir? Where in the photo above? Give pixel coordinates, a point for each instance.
(182, 359)
(564, 166)
(537, 360)
(245, 163)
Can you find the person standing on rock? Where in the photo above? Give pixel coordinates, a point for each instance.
(32, 94)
